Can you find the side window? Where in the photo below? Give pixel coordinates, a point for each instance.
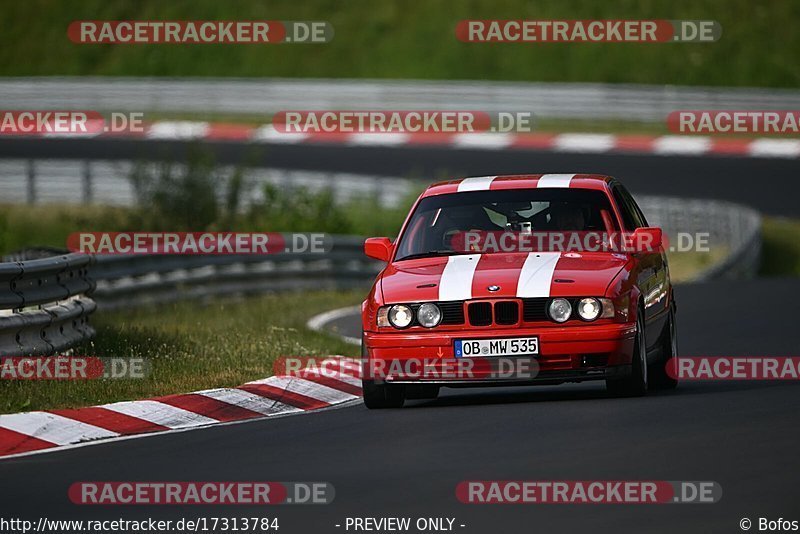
(634, 207)
(628, 218)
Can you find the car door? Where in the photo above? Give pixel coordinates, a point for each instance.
(653, 276)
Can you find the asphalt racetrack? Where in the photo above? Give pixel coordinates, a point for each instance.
(407, 463)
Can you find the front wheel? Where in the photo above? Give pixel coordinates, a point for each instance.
(379, 396)
(634, 385)
(669, 350)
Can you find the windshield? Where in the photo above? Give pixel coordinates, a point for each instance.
(451, 224)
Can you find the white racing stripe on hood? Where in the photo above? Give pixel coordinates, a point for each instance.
(480, 183)
(536, 274)
(456, 281)
(555, 180)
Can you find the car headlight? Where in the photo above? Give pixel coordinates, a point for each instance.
(559, 310)
(400, 315)
(429, 315)
(589, 308)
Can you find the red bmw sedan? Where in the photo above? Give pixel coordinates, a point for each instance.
(506, 280)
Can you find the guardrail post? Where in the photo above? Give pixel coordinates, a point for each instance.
(87, 182)
(31, 182)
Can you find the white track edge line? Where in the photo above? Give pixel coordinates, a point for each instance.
(318, 322)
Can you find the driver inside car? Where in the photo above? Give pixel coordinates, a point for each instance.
(567, 217)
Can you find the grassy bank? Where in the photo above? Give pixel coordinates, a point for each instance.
(190, 347)
(415, 39)
(780, 253)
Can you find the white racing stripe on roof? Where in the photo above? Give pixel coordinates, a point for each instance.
(536, 274)
(53, 428)
(484, 140)
(456, 280)
(676, 144)
(480, 183)
(307, 388)
(248, 401)
(781, 148)
(579, 142)
(555, 180)
(159, 413)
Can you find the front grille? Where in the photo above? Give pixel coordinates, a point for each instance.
(534, 309)
(506, 312)
(452, 312)
(480, 313)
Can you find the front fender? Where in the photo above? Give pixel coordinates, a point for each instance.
(625, 293)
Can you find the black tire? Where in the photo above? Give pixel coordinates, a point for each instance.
(669, 349)
(377, 397)
(636, 384)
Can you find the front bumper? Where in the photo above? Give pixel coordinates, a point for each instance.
(571, 353)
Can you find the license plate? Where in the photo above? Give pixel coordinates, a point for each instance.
(480, 348)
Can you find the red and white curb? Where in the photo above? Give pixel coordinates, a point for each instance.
(308, 390)
(685, 145)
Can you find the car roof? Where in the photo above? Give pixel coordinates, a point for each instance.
(519, 181)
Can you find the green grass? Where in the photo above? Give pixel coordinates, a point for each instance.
(780, 253)
(683, 266)
(191, 347)
(416, 39)
(22, 225)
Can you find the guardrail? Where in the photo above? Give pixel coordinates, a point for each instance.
(644, 103)
(88, 181)
(44, 304)
(735, 227)
(57, 287)
(136, 280)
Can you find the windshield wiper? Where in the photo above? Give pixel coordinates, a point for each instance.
(433, 254)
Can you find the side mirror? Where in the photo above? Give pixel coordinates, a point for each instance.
(646, 239)
(379, 248)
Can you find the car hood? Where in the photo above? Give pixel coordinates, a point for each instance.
(523, 275)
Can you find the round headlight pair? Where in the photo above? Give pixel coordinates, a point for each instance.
(428, 315)
(560, 309)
